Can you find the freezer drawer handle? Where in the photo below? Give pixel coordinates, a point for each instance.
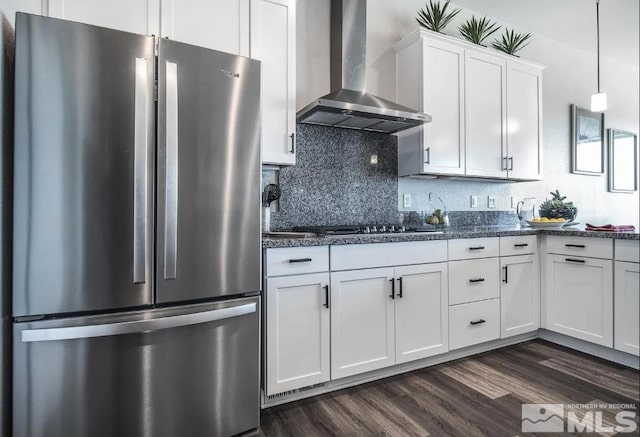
(136, 326)
(141, 140)
(171, 175)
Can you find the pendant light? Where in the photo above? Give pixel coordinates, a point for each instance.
(598, 100)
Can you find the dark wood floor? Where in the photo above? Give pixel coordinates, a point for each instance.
(476, 396)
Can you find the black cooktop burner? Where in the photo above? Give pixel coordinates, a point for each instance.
(364, 230)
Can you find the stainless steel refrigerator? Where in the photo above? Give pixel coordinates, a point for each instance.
(136, 260)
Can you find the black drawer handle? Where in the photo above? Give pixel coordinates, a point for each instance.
(300, 260)
(521, 245)
(476, 248)
(574, 260)
(477, 280)
(393, 288)
(579, 246)
(478, 322)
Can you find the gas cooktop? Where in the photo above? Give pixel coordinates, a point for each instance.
(364, 230)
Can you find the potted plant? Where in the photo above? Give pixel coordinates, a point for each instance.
(476, 30)
(511, 42)
(556, 207)
(435, 17)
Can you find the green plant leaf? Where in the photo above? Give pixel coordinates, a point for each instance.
(435, 16)
(476, 30)
(511, 42)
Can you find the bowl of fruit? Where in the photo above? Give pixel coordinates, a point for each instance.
(558, 208)
(547, 223)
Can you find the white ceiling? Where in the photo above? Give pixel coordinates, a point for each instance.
(573, 22)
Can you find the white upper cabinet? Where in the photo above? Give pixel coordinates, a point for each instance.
(273, 41)
(486, 109)
(215, 24)
(438, 147)
(136, 16)
(524, 121)
(485, 88)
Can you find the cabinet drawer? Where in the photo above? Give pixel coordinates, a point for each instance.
(473, 280)
(365, 256)
(581, 246)
(518, 245)
(473, 323)
(469, 248)
(628, 250)
(297, 260)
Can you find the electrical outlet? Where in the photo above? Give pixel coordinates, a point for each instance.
(514, 202)
(474, 201)
(406, 200)
(491, 202)
(374, 158)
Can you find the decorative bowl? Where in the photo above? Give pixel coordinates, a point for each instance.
(569, 214)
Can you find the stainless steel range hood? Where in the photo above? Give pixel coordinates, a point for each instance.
(349, 105)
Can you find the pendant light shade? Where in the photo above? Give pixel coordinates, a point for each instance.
(599, 99)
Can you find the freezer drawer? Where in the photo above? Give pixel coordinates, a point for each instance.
(181, 371)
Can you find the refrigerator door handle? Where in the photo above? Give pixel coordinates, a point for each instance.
(140, 188)
(136, 326)
(171, 175)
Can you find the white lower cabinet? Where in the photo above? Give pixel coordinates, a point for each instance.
(627, 307)
(362, 321)
(386, 316)
(421, 312)
(297, 332)
(473, 323)
(579, 297)
(519, 295)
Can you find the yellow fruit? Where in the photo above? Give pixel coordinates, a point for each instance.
(536, 219)
(544, 219)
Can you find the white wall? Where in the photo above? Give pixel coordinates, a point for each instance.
(569, 77)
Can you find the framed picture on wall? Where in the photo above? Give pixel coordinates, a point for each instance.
(587, 141)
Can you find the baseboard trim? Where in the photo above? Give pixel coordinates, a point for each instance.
(597, 350)
(397, 369)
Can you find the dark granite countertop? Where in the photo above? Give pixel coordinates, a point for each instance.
(447, 234)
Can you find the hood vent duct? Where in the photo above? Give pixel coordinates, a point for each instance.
(349, 106)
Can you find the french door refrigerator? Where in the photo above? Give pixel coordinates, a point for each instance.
(136, 278)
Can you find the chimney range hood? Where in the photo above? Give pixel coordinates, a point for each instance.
(349, 106)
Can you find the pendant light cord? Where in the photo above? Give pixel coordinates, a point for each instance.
(598, 39)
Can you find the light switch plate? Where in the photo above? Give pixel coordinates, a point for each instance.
(491, 202)
(474, 201)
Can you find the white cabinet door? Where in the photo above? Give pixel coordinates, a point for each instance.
(421, 315)
(362, 321)
(627, 307)
(273, 41)
(137, 16)
(297, 331)
(443, 96)
(579, 297)
(485, 86)
(524, 121)
(519, 295)
(215, 24)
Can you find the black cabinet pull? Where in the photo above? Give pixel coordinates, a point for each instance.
(511, 160)
(477, 280)
(574, 260)
(400, 281)
(393, 288)
(505, 162)
(579, 246)
(428, 160)
(326, 296)
(300, 260)
(476, 248)
(293, 143)
(506, 274)
(478, 322)
(520, 245)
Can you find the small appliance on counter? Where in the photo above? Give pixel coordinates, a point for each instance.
(270, 194)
